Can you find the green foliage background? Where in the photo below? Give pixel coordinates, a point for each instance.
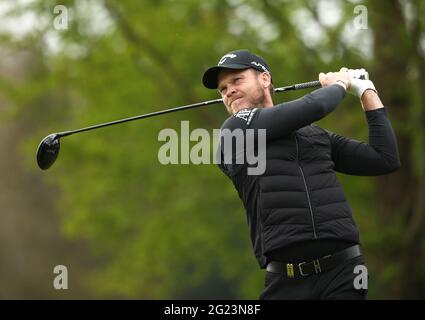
(179, 231)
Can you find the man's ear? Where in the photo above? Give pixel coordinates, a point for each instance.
(266, 79)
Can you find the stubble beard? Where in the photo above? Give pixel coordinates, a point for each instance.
(257, 102)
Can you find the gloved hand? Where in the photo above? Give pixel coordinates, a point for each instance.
(359, 86)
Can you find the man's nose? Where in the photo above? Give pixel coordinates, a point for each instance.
(230, 91)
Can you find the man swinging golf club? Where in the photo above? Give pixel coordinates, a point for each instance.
(300, 222)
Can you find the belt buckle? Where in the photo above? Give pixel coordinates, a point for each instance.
(316, 264)
(301, 269)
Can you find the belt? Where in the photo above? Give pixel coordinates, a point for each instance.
(316, 266)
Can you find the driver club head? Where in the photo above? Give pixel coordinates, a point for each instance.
(48, 151)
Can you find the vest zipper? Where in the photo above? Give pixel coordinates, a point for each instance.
(306, 189)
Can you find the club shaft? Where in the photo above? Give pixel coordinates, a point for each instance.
(156, 113)
(303, 85)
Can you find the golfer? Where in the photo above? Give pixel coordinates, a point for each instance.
(301, 225)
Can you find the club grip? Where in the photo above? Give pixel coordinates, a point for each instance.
(316, 83)
(309, 84)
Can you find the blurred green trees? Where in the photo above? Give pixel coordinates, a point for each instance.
(179, 231)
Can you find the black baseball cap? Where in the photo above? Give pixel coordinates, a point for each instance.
(239, 59)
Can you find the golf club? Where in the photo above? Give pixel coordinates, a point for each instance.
(48, 149)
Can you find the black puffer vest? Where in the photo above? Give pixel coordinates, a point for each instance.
(298, 197)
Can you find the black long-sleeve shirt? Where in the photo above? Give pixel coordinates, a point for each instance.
(379, 156)
(350, 156)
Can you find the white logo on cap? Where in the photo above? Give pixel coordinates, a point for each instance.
(260, 65)
(230, 55)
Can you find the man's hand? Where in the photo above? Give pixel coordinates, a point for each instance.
(358, 86)
(364, 89)
(341, 78)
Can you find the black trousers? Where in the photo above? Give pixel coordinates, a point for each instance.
(334, 284)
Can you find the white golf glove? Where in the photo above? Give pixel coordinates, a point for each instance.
(358, 85)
